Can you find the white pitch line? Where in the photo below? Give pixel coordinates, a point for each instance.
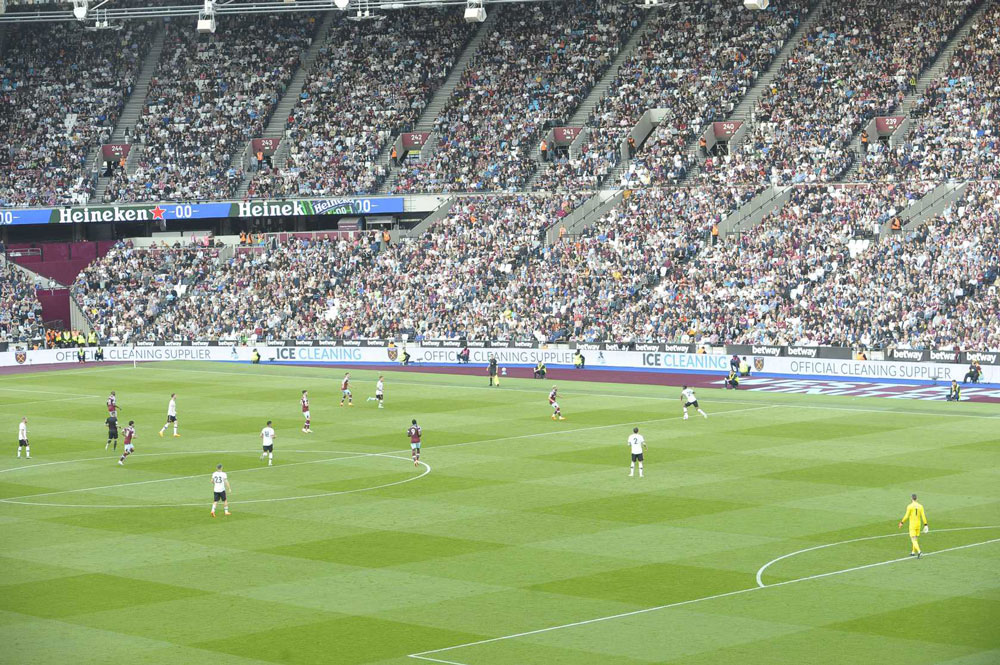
(427, 470)
(767, 565)
(422, 655)
(47, 401)
(47, 392)
(14, 499)
(898, 412)
(437, 660)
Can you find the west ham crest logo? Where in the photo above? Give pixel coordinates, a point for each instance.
(20, 357)
(758, 363)
(393, 353)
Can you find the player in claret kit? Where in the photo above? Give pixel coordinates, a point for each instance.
(556, 412)
(379, 392)
(171, 415)
(112, 404)
(345, 390)
(129, 433)
(414, 433)
(112, 424)
(305, 412)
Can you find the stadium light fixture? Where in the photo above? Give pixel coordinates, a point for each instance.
(206, 18)
(756, 5)
(475, 11)
(80, 9)
(341, 4)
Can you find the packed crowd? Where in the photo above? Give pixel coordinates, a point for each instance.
(442, 284)
(932, 287)
(461, 276)
(370, 82)
(62, 89)
(695, 60)
(209, 96)
(20, 311)
(956, 118)
(859, 62)
(596, 287)
(125, 293)
(771, 283)
(649, 270)
(529, 74)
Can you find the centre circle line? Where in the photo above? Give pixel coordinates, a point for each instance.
(345, 455)
(760, 571)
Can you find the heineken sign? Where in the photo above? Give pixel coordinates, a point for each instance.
(177, 211)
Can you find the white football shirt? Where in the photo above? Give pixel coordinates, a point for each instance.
(688, 395)
(172, 408)
(267, 434)
(22, 431)
(219, 481)
(636, 442)
(378, 387)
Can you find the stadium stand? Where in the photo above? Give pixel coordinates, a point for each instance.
(210, 95)
(529, 74)
(861, 60)
(771, 284)
(932, 287)
(20, 310)
(955, 135)
(695, 60)
(334, 287)
(371, 81)
(61, 90)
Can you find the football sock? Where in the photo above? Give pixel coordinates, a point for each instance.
(702, 413)
(631, 468)
(916, 545)
(19, 451)
(27, 451)
(270, 456)
(640, 469)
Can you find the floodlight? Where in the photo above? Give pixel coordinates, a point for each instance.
(475, 12)
(80, 9)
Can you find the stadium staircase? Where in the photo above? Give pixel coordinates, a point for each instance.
(275, 128)
(425, 121)
(936, 70)
(743, 111)
(36, 278)
(131, 112)
(581, 116)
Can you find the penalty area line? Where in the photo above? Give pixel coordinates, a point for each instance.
(425, 655)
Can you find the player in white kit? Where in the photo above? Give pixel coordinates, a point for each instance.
(688, 398)
(22, 438)
(171, 415)
(267, 439)
(379, 392)
(637, 444)
(220, 487)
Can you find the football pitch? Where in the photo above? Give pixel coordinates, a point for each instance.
(766, 534)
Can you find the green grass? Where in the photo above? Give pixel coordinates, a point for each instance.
(520, 524)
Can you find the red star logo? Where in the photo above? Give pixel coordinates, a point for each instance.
(158, 212)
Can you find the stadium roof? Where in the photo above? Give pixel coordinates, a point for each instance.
(44, 11)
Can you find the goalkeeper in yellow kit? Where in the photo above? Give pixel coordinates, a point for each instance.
(917, 517)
